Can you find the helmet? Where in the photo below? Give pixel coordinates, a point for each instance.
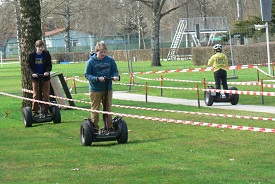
(217, 47)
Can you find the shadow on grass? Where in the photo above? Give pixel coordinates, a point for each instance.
(147, 140)
(114, 143)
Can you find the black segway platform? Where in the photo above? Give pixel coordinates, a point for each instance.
(54, 114)
(211, 97)
(88, 134)
(119, 133)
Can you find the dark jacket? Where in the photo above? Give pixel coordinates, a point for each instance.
(47, 64)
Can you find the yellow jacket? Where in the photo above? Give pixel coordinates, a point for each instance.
(218, 61)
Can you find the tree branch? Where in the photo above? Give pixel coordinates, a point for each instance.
(172, 9)
(149, 4)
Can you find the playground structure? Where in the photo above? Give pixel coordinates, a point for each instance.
(196, 27)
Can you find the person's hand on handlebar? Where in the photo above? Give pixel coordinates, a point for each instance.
(34, 75)
(116, 78)
(101, 79)
(46, 74)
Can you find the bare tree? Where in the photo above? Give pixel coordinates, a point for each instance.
(99, 17)
(47, 7)
(7, 24)
(60, 13)
(31, 31)
(157, 7)
(239, 9)
(133, 22)
(106, 17)
(67, 26)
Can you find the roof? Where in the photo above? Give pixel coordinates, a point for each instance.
(55, 31)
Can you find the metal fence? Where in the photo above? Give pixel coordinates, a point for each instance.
(239, 35)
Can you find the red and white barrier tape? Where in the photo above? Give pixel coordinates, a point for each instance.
(240, 83)
(196, 113)
(164, 87)
(236, 127)
(176, 80)
(58, 97)
(238, 67)
(247, 84)
(255, 93)
(190, 81)
(79, 80)
(269, 85)
(158, 87)
(173, 111)
(167, 79)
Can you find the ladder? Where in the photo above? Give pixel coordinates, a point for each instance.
(177, 40)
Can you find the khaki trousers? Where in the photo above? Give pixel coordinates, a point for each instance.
(45, 95)
(97, 98)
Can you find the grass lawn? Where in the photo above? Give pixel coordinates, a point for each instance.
(157, 152)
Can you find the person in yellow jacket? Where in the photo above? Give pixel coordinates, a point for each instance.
(219, 61)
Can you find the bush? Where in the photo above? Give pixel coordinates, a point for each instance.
(243, 54)
(70, 57)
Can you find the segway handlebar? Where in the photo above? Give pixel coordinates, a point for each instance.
(40, 75)
(112, 78)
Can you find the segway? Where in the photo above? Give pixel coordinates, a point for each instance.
(54, 114)
(211, 97)
(88, 134)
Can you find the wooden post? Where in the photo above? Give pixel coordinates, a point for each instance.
(66, 79)
(258, 75)
(130, 82)
(74, 85)
(198, 96)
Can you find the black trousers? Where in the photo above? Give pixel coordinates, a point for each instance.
(221, 77)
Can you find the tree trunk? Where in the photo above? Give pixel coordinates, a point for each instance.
(18, 28)
(240, 17)
(155, 41)
(67, 27)
(31, 31)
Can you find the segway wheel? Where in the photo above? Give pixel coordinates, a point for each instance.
(208, 98)
(86, 133)
(56, 115)
(234, 98)
(122, 137)
(27, 116)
